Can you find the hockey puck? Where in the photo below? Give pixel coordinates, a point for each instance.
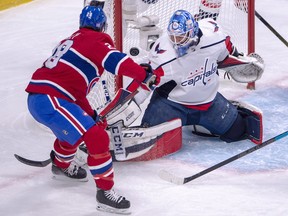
(150, 1)
(134, 51)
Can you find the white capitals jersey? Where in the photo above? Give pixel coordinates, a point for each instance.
(196, 72)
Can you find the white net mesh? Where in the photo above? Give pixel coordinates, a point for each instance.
(103, 92)
(231, 18)
(105, 89)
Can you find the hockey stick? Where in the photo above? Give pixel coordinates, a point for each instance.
(244, 8)
(121, 98)
(270, 28)
(167, 176)
(32, 162)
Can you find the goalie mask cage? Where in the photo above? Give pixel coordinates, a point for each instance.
(135, 25)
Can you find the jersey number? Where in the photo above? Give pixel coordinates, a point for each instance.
(59, 51)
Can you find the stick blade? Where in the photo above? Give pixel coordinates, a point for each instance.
(31, 162)
(167, 176)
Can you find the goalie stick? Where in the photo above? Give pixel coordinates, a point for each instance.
(120, 99)
(167, 176)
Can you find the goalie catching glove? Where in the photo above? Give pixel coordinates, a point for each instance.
(243, 69)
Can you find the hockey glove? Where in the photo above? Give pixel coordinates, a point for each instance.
(243, 69)
(96, 117)
(101, 122)
(151, 80)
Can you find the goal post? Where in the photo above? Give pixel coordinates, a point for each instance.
(248, 6)
(251, 33)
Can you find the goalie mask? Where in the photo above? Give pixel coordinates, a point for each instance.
(94, 18)
(183, 31)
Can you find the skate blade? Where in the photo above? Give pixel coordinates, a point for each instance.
(67, 179)
(105, 208)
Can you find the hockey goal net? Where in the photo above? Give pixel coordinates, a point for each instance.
(134, 26)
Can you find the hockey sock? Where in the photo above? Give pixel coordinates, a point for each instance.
(99, 159)
(63, 153)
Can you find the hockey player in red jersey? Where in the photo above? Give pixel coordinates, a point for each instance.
(57, 99)
(188, 58)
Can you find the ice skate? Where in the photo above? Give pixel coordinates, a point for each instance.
(109, 201)
(73, 173)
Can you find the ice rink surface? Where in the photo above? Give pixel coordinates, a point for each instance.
(255, 185)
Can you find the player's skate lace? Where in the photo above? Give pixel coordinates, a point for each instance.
(113, 196)
(72, 172)
(72, 169)
(110, 201)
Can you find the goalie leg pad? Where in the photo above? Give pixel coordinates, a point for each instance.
(236, 131)
(248, 124)
(142, 144)
(128, 113)
(253, 121)
(168, 143)
(117, 140)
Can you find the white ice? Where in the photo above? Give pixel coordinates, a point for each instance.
(255, 185)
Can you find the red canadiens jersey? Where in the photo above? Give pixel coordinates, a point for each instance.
(76, 65)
